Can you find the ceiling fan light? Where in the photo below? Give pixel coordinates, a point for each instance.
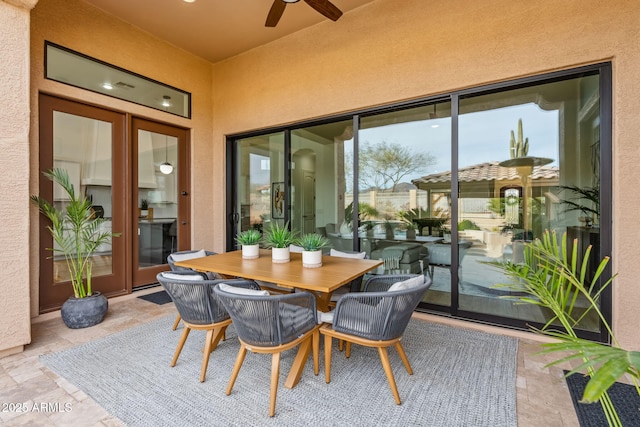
(291, 1)
(166, 168)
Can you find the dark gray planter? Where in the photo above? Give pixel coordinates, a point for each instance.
(84, 312)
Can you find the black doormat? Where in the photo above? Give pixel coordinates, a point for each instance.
(624, 397)
(159, 298)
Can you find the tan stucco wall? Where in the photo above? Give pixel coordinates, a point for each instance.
(378, 54)
(14, 146)
(383, 53)
(77, 26)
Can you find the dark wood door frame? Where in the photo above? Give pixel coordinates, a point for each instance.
(147, 275)
(52, 295)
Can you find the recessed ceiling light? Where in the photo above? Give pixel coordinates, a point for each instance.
(189, 1)
(107, 86)
(166, 101)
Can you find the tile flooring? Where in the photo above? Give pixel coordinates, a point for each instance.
(32, 395)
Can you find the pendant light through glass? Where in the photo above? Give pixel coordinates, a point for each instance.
(166, 167)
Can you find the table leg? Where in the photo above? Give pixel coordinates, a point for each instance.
(298, 363)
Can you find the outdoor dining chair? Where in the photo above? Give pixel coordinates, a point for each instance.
(186, 255)
(376, 317)
(200, 309)
(272, 324)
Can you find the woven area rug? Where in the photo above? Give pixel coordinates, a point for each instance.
(461, 378)
(624, 397)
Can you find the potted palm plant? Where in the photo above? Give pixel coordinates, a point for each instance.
(312, 245)
(279, 238)
(550, 278)
(249, 239)
(77, 234)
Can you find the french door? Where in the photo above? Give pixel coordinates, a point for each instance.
(160, 153)
(88, 142)
(104, 161)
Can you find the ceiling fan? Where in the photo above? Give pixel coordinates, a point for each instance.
(325, 7)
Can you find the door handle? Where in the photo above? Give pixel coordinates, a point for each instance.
(184, 193)
(183, 222)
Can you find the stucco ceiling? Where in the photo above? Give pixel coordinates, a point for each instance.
(217, 29)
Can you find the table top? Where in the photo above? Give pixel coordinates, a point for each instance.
(335, 271)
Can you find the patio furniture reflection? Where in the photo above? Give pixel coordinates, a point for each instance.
(440, 254)
(272, 324)
(376, 317)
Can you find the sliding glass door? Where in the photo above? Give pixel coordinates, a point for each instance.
(258, 184)
(529, 160)
(445, 186)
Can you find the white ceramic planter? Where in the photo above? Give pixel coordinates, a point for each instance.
(250, 251)
(280, 255)
(312, 259)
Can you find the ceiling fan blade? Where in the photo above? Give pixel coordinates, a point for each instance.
(326, 8)
(275, 13)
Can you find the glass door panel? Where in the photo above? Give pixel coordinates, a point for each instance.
(403, 199)
(160, 215)
(82, 146)
(157, 195)
(522, 153)
(260, 182)
(84, 141)
(321, 188)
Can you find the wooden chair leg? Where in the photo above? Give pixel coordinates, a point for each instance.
(404, 358)
(298, 363)
(205, 354)
(386, 364)
(175, 324)
(327, 358)
(275, 372)
(315, 343)
(236, 368)
(183, 338)
(218, 334)
(347, 352)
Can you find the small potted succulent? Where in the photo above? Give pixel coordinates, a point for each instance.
(312, 244)
(279, 238)
(249, 239)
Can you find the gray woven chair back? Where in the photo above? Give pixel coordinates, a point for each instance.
(174, 267)
(269, 321)
(382, 282)
(378, 315)
(195, 300)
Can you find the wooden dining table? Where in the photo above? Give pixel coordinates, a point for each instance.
(321, 282)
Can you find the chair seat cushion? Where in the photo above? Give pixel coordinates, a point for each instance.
(185, 257)
(325, 317)
(174, 276)
(242, 291)
(413, 282)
